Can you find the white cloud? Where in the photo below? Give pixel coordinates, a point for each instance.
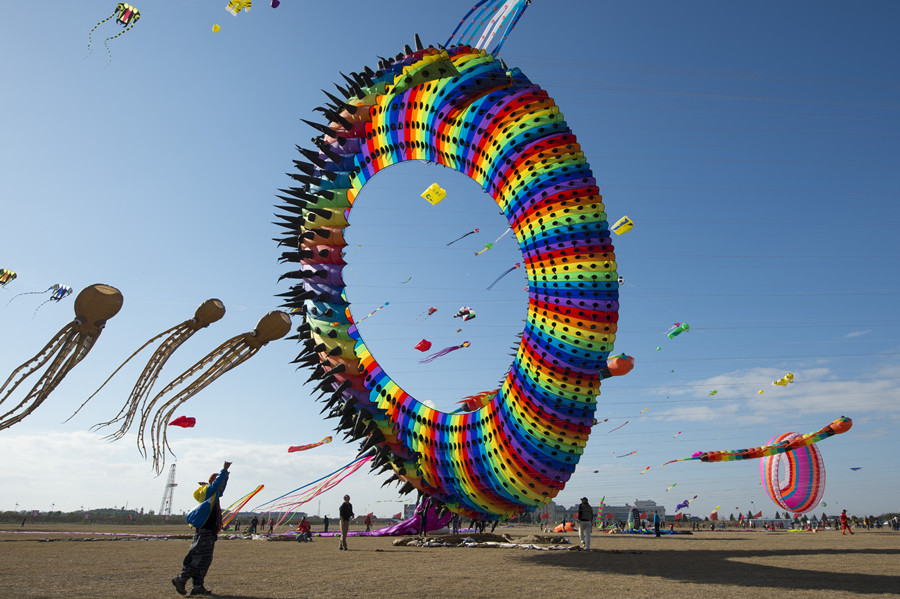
(853, 334)
(74, 469)
(816, 390)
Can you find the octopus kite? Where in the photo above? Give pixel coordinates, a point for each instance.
(6, 277)
(126, 15)
(57, 291)
(228, 355)
(94, 306)
(464, 109)
(236, 6)
(210, 311)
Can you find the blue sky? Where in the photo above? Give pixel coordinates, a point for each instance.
(755, 146)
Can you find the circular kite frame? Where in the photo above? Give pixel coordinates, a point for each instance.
(464, 109)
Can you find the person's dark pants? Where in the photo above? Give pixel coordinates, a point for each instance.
(199, 556)
(656, 529)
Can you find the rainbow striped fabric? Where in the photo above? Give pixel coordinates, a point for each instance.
(464, 109)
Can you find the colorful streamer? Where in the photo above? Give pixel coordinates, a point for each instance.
(293, 500)
(235, 508)
(444, 352)
(472, 232)
(381, 307)
(296, 448)
(487, 19)
(618, 427)
(497, 280)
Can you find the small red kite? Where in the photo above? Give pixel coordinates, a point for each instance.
(184, 422)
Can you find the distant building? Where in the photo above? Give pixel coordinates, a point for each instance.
(646, 507)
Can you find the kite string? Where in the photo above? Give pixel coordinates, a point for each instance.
(289, 508)
(312, 483)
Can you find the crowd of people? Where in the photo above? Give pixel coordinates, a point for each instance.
(206, 519)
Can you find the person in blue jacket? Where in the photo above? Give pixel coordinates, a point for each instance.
(206, 519)
(656, 522)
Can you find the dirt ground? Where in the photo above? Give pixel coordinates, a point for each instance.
(715, 565)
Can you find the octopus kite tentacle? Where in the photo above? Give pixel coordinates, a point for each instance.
(210, 311)
(229, 354)
(93, 307)
(90, 41)
(464, 109)
(112, 37)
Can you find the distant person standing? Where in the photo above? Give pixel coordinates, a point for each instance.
(656, 523)
(271, 524)
(325, 522)
(253, 524)
(368, 522)
(423, 520)
(585, 522)
(845, 523)
(346, 514)
(206, 519)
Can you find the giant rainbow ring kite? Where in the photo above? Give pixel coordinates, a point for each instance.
(805, 483)
(466, 110)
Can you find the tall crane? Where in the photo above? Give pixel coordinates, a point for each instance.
(165, 508)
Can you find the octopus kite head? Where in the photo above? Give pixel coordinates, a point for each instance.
(272, 326)
(210, 311)
(97, 304)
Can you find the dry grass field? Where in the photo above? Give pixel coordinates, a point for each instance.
(717, 565)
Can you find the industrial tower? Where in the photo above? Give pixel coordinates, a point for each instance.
(165, 509)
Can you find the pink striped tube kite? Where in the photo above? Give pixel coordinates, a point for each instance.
(801, 490)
